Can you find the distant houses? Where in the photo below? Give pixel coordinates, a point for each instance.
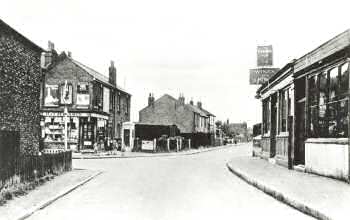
(192, 120)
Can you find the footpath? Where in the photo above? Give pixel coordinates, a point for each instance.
(320, 197)
(118, 154)
(42, 196)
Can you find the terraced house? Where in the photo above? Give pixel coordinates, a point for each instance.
(306, 111)
(193, 120)
(97, 106)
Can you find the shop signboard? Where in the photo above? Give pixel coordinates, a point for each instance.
(261, 75)
(264, 56)
(147, 145)
(51, 95)
(74, 114)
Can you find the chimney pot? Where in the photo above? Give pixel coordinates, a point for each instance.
(51, 46)
(112, 74)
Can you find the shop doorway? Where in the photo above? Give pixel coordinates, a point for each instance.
(300, 131)
(273, 125)
(87, 133)
(127, 137)
(299, 157)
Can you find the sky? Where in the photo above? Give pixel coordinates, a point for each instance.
(203, 49)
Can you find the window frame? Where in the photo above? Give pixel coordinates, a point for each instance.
(329, 105)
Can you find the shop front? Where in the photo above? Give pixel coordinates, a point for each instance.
(322, 109)
(83, 130)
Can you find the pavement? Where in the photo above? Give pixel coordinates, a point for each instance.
(128, 154)
(23, 206)
(320, 197)
(196, 186)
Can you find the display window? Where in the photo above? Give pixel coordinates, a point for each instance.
(54, 129)
(328, 114)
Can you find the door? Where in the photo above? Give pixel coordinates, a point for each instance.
(273, 125)
(127, 137)
(299, 153)
(87, 133)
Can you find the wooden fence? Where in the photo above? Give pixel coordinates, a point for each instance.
(30, 167)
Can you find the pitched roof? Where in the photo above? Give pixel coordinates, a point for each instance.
(97, 75)
(192, 108)
(200, 111)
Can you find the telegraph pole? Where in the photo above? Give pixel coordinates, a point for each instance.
(65, 113)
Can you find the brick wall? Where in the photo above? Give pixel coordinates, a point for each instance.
(66, 70)
(20, 80)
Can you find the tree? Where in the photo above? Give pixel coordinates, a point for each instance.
(218, 123)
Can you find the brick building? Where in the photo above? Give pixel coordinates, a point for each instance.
(20, 79)
(305, 117)
(96, 105)
(189, 118)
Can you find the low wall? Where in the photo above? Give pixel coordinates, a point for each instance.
(265, 146)
(328, 157)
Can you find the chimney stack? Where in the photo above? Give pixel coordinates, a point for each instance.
(191, 102)
(69, 54)
(182, 99)
(199, 105)
(150, 99)
(47, 57)
(113, 74)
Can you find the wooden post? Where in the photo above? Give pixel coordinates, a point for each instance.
(177, 145)
(189, 144)
(290, 138)
(154, 145)
(168, 144)
(348, 61)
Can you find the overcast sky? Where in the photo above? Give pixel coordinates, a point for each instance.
(203, 49)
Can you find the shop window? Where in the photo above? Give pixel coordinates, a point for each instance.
(283, 110)
(328, 117)
(333, 84)
(344, 80)
(313, 90)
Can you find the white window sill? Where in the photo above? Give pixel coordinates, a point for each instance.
(283, 134)
(343, 141)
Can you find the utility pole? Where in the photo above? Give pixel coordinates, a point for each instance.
(65, 113)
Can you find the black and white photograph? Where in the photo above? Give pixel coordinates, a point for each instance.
(174, 110)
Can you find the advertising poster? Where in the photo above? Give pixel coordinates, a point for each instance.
(66, 91)
(83, 99)
(51, 95)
